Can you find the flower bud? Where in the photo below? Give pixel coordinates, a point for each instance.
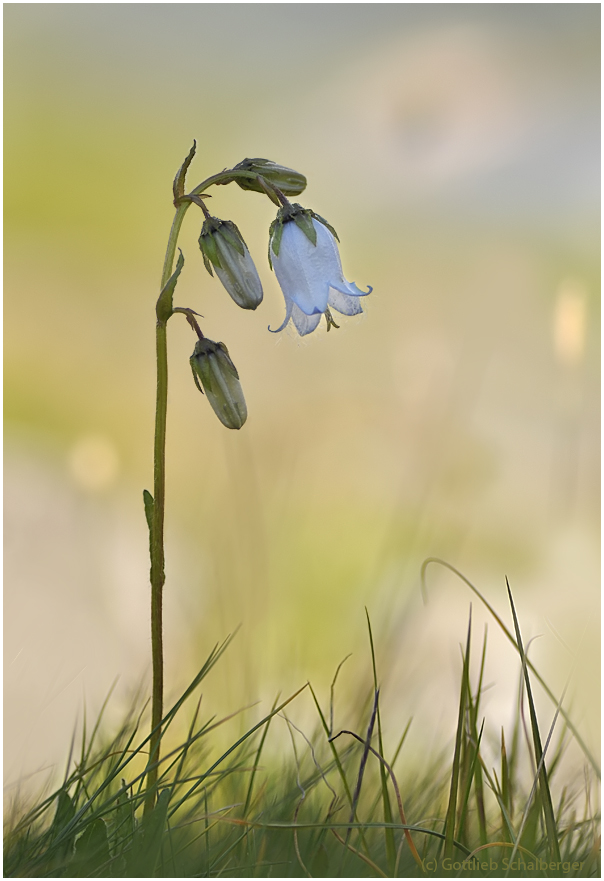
(290, 182)
(211, 364)
(222, 247)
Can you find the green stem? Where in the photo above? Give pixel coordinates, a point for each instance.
(159, 495)
(224, 176)
(157, 531)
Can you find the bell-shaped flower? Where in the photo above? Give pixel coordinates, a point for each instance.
(222, 247)
(211, 364)
(304, 253)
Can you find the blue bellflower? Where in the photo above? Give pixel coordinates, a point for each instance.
(310, 272)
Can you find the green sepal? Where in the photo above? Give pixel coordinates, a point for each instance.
(328, 225)
(194, 372)
(275, 233)
(303, 221)
(329, 319)
(206, 262)
(232, 235)
(178, 187)
(271, 232)
(213, 226)
(163, 308)
(209, 249)
(222, 353)
(203, 369)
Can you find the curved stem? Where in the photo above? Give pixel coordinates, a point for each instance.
(159, 492)
(222, 178)
(157, 529)
(172, 242)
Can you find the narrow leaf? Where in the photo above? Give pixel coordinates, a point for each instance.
(388, 833)
(248, 799)
(163, 307)
(546, 797)
(148, 502)
(451, 809)
(178, 187)
(91, 851)
(148, 839)
(359, 783)
(63, 816)
(124, 819)
(474, 765)
(234, 746)
(571, 726)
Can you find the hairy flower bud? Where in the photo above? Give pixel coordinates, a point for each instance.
(222, 247)
(211, 364)
(290, 182)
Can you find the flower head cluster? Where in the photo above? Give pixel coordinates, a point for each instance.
(302, 250)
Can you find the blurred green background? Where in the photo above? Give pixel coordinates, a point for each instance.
(455, 148)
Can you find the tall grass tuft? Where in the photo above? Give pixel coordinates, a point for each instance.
(336, 808)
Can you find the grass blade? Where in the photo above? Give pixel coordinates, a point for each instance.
(452, 806)
(248, 797)
(546, 797)
(586, 751)
(388, 833)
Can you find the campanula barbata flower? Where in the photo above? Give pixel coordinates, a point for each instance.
(304, 253)
(211, 363)
(222, 247)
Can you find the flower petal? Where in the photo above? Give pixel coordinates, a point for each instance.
(301, 271)
(311, 276)
(288, 314)
(349, 287)
(332, 258)
(305, 323)
(344, 303)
